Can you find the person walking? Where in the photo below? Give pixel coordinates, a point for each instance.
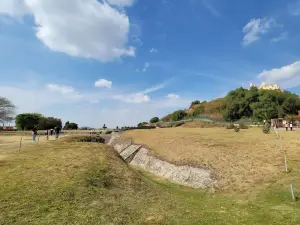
(57, 130)
(291, 126)
(34, 133)
(51, 132)
(286, 126)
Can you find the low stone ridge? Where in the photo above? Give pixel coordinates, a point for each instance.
(185, 175)
(121, 145)
(138, 156)
(130, 151)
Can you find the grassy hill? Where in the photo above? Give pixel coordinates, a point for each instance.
(243, 103)
(211, 109)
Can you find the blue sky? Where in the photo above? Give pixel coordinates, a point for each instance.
(120, 62)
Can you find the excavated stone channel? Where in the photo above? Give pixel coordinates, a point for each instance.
(137, 155)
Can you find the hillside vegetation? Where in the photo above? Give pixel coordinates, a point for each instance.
(243, 103)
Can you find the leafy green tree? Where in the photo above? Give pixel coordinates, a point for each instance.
(142, 124)
(7, 110)
(70, 126)
(196, 102)
(154, 120)
(28, 121)
(178, 115)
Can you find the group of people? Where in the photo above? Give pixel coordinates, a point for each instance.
(55, 131)
(287, 126)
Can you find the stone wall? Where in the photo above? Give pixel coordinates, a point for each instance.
(137, 155)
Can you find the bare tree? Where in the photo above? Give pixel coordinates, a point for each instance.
(7, 110)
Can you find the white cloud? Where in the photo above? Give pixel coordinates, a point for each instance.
(13, 8)
(155, 88)
(282, 36)
(153, 50)
(81, 28)
(287, 76)
(173, 96)
(139, 97)
(121, 2)
(146, 66)
(256, 28)
(112, 113)
(133, 98)
(64, 90)
(103, 83)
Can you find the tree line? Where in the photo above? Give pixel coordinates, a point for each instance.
(259, 104)
(28, 121)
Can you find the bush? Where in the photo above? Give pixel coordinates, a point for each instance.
(96, 139)
(154, 120)
(266, 128)
(178, 115)
(195, 103)
(243, 126)
(236, 129)
(230, 126)
(198, 111)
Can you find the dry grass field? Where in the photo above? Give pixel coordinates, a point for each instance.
(240, 161)
(66, 182)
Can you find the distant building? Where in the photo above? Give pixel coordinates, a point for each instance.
(8, 128)
(281, 122)
(265, 86)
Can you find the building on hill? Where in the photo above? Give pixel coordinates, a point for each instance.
(265, 86)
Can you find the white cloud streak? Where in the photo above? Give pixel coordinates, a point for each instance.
(65, 90)
(281, 37)
(121, 2)
(207, 4)
(255, 28)
(139, 97)
(79, 28)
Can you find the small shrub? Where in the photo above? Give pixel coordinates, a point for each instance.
(195, 103)
(154, 120)
(243, 126)
(236, 129)
(96, 139)
(198, 111)
(230, 126)
(266, 128)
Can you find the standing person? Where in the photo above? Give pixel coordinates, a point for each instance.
(286, 126)
(57, 130)
(34, 133)
(51, 132)
(291, 126)
(47, 134)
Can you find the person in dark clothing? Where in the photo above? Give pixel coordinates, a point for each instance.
(51, 132)
(57, 130)
(34, 133)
